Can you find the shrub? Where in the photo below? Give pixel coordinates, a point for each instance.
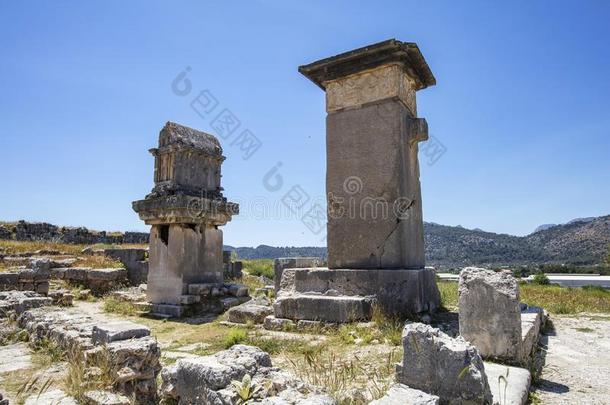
(235, 337)
(260, 267)
(541, 279)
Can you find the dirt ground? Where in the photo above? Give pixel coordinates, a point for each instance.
(577, 361)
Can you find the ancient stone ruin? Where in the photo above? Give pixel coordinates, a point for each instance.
(493, 319)
(375, 226)
(185, 210)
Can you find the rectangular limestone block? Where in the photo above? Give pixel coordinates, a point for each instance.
(397, 291)
(282, 263)
(490, 313)
(381, 83)
(166, 309)
(531, 322)
(372, 182)
(509, 385)
(9, 279)
(120, 330)
(42, 287)
(107, 274)
(323, 308)
(180, 255)
(76, 273)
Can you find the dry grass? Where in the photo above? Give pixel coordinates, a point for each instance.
(98, 262)
(449, 295)
(95, 373)
(553, 298)
(115, 306)
(94, 261)
(16, 247)
(342, 373)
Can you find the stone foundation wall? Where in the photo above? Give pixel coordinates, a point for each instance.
(206, 298)
(25, 280)
(99, 281)
(129, 346)
(134, 261)
(31, 231)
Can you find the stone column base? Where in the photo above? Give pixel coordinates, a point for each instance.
(346, 295)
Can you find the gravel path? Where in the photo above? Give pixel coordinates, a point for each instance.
(577, 362)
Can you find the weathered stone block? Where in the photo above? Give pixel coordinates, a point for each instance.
(120, 330)
(238, 290)
(397, 291)
(200, 289)
(440, 365)
(198, 378)
(100, 397)
(490, 313)
(167, 309)
(9, 279)
(42, 288)
(106, 274)
(76, 273)
(249, 312)
(509, 385)
(400, 394)
(282, 263)
(278, 324)
(27, 276)
(170, 268)
(324, 308)
(531, 321)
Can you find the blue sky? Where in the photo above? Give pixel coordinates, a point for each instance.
(521, 105)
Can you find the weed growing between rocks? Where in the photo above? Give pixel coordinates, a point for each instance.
(349, 379)
(10, 332)
(235, 337)
(87, 373)
(47, 352)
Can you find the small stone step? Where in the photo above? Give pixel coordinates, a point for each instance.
(189, 299)
(167, 309)
(120, 330)
(323, 308)
(200, 289)
(142, 306)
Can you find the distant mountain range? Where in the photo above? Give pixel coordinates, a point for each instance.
(583, 241)
(547, 226)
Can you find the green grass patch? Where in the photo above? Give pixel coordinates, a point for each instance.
(449, 294)
(115, 306)
(235, 337)
(585, 330)
(259, 267)
(555, 299)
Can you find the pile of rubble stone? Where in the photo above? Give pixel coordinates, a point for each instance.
(133, 354)
(213, 380)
